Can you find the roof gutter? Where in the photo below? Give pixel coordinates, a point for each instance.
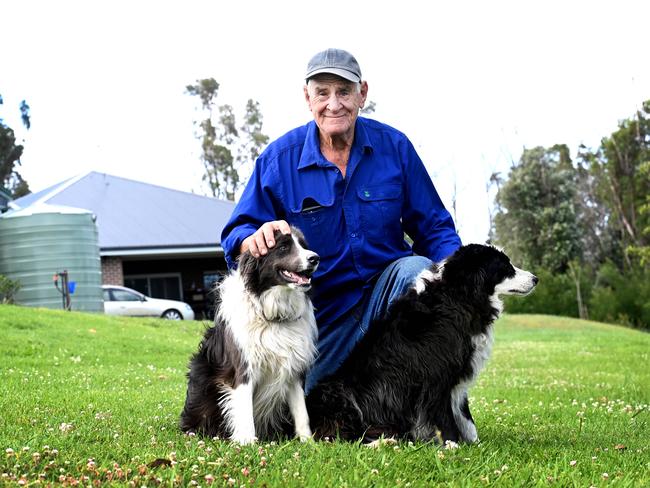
(162, 251)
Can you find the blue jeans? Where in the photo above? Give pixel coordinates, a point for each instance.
(336, 346)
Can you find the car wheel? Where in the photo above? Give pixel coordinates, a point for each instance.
(172, 314)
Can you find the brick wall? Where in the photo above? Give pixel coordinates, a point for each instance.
(112, 273)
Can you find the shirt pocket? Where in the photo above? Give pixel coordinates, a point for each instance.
(321, 223)
(381, 210)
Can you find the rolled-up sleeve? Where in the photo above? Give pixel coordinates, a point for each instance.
(256, 206)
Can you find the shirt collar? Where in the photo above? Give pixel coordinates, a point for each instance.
(311, 154)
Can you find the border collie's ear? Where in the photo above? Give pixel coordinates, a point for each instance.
(464, 269)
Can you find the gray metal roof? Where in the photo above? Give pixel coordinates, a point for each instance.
(135, 216)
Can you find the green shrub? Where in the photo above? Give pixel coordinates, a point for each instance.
(613, 296)
(8, 289)
(621, 297)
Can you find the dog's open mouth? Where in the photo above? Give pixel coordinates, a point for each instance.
(300, 279)
(523, 292)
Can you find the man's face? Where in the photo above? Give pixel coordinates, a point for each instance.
(335, 103)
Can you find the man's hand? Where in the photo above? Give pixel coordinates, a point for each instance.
(259, 242)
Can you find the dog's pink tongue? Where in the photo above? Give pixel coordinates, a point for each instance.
(301, 280)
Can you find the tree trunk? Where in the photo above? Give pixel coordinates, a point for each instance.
(575, 274)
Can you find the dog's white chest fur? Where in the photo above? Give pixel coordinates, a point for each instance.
(276, 332)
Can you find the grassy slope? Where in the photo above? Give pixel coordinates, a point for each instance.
(562, 402)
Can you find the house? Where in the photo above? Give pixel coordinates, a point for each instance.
(164, 243)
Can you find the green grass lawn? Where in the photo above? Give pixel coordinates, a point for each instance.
(94, 400)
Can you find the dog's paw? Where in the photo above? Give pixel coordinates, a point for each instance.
(244, 440)
(388, 441)
(304, 435)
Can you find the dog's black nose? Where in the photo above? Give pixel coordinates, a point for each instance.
(314, 259)
(535, 280)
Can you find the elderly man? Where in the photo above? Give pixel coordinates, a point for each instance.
(354, 186)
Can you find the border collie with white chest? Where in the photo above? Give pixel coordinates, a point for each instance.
(409, 376)
(251, 364)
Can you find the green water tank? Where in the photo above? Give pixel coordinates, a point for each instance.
(42, 240)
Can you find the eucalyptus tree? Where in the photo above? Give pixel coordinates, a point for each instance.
(10, 154)
(228, 151)
(620, 168)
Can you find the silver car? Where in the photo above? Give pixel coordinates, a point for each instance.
(119, 300)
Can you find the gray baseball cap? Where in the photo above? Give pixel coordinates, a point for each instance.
(334, 61)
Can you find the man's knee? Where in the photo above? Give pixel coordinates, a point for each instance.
(409, 268)
(401, 274)
(394, 282)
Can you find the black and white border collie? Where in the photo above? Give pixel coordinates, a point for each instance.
(409, 376)
(251, 364)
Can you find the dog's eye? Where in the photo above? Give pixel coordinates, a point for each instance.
(283, 247)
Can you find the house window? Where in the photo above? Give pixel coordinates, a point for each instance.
(140, 284)
(210, 281)
(211, 278)
(157, 285)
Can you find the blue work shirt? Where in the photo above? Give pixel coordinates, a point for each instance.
(355, 223)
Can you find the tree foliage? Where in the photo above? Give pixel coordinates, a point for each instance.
(369, 108)
(620, 168)
(10, 154)
(228, 151)
(642, 251)
(537, 219)
(584, 228)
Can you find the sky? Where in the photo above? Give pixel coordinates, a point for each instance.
(471, 83)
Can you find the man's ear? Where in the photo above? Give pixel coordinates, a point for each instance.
(364, 92)
(306, 91)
